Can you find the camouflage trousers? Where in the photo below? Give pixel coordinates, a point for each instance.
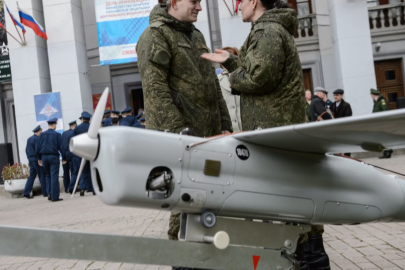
(174, 226)
(315, 230)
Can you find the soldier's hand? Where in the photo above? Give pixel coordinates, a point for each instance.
(219, 56)
(40, 162)
(63, 162)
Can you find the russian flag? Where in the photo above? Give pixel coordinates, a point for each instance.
(15, 21)
(237, 6)
(30, 22)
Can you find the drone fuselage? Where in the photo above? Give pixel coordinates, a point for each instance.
(235, 179)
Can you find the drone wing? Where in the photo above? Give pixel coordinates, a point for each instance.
(352, 134)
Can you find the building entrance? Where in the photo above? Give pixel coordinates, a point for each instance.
(136, 98)
(390, 80)
(308, 79)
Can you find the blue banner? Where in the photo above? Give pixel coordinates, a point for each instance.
(48, 106)
(120, 23)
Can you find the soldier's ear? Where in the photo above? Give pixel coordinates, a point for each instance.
(173, 4)
(254, 4)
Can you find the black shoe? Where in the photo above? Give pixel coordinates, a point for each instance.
(302, 255)
(386, 154)
(81, 192)
(58, 200)
(317, 258)
(49, 198)
(28, 196)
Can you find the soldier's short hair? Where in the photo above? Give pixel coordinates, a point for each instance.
(169, 3)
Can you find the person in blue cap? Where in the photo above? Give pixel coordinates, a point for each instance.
(35, 169)
(114, 114)
(66, 136)
(85, 179)
(128, 119)
(106, 117)
(142, 123)
(140, 114)
(50, 145)
(107, 114)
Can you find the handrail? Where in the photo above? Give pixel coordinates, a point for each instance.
(306, 27)
(376, 8)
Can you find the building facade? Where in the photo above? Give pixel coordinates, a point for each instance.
(350, 44)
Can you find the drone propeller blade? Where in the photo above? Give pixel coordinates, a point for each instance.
(98, 115)
(78, 175)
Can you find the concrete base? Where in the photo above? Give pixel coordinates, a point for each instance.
(4, 193)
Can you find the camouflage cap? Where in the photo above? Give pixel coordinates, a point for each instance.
(375, 92)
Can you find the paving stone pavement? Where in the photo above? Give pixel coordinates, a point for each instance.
(367, 246)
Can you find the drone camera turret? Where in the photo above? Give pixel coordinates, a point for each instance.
(159, 184)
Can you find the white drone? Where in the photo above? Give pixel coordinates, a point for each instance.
(287, 174)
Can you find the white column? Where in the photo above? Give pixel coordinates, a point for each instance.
(100, 76)
(30, 71)
(68, 57)
(321, 9)
(353, 52)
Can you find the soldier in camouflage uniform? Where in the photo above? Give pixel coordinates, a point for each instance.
(380, 105)
(181, 89)
(268, 72)
(268, 76)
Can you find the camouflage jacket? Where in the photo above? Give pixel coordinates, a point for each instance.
(180, 88)
(268, 73)
(380, 105)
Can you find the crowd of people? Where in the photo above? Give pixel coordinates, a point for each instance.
(44, 150)
(124, 118)
(319, 108)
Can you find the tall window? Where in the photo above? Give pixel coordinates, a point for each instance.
(303, 7)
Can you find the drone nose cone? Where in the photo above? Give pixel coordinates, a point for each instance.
(84, 146)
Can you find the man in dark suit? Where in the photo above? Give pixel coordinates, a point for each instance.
(85, 179)
(317, 107)
(114, 114)
(67, 168)
(340, 108)
(128, 119)
(49, 147)
(35, 169)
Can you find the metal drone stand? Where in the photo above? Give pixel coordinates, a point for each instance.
(206, 242)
